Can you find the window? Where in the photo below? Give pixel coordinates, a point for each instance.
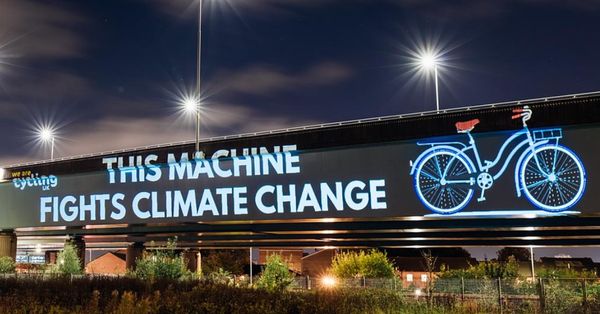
(423, 278)
(409, 277)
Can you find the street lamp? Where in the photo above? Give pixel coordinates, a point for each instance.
(196, 99)
(191, 105)
(429, 61)
(46, 135)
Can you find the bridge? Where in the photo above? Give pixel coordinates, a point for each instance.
(342, 184)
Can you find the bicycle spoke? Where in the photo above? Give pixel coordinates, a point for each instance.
(572, 167)
(533, 185)
(427, 174)
(437, 163)
(450, 196)
(554, 161)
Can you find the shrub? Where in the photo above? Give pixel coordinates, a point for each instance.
(67, 261)
(7, 265)
(276, 276)
(483, 270)
(130, 295)
(221, 277)
(232, 261)
(164, 263)
(372, 264)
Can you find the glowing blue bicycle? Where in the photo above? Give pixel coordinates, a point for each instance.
(550, 175)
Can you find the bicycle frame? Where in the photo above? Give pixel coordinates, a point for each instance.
(486, 165)
(528, 141)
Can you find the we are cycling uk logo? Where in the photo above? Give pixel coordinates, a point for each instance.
(35, 180)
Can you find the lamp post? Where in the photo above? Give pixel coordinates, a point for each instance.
(429, 61)
(532, 263)
(191, 105)
(198, 75)
(47, 136)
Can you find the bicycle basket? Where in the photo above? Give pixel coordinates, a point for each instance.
(547, 134)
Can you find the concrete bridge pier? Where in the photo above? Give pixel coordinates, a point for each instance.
(135, 251)
(8, 244)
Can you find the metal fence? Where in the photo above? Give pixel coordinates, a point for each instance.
(514, 295)
(542, 295)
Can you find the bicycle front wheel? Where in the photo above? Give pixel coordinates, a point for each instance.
(553, 178)
(442, 182)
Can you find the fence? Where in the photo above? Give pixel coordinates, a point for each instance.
(542, 295)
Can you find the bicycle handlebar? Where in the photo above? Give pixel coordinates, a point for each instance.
(524, 113)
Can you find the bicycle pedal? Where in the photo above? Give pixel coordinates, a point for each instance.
(481, 199)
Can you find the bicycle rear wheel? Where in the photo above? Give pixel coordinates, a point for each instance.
(431, 182)
(553, 178)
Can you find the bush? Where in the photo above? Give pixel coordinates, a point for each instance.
(276, 276)
(232, 261)
(67, 261)
(7, 265)
(164, 263)
(373, 264)
(221, 277)
(130, 295)
(483, 270)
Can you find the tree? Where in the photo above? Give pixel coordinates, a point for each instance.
(67, 261)
(233, 261)
(371, 264)
(484, 270)
(429, 262)
(519, 253)
(276, 276)
(7, 265)
(163, 263)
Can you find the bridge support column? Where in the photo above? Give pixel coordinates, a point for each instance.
(8, 244)
(135, 251)
(193, 260)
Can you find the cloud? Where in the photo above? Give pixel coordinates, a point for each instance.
(477, 9)
(47, 86)
(115, 133)
(37, 29)
(182, 7)
(265, 79)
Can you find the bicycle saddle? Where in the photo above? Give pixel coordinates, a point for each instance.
(466, 126)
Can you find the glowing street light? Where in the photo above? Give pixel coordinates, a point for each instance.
(46, 135)
(328, 281)
(429, 61)
(191, 105)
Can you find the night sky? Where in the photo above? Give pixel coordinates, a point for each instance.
(107, 73)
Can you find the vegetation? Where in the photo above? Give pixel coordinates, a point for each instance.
(131, 295)
(67, 261)
(518, 253)
(221, 277)
(163, 263)
(483, 270)
(232, 261)
(276, 276)
(7, 265)
(371, 264)
(565, 273)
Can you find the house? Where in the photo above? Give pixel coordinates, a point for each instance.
(110, 263)
(415, 272)
(574, 263)
(317, 263)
